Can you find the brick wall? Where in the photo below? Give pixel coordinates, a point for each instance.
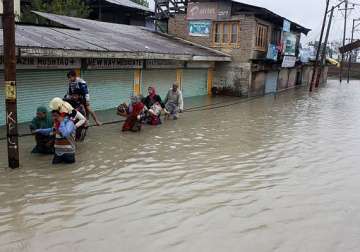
(235, 74)
(178, 26)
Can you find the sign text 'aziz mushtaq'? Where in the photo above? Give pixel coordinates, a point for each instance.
(44, 63)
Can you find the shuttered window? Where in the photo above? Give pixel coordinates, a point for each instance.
(262, 40)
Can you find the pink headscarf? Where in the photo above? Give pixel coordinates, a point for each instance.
(153, 92)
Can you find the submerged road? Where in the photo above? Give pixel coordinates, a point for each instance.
(270, 174)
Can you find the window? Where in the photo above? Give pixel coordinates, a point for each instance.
(276, 37)
(261, 37)
(226, 34)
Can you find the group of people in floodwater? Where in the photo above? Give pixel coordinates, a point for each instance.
(56, 132)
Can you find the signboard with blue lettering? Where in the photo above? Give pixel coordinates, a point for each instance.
(199, 28)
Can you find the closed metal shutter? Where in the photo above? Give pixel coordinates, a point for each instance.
(271, 82)
(108, 88)
(194, 82)
(162, 80)
(35, 88)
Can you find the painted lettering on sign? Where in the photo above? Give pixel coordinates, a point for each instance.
(208, 10)
(44, 63)
(200, 11)
(114, 63)
(170, 64)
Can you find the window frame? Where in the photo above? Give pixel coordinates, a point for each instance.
(262, 37)
(229, 34)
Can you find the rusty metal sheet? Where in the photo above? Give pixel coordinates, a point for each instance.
(350, 47)
(130, 4)
(125, 38)
(89, 36)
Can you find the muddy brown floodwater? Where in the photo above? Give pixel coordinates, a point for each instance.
(271, 174)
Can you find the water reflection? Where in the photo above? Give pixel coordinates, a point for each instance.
(272, 174)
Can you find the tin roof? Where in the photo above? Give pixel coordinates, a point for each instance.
(129, 4)
(267, 15)
(100, 39)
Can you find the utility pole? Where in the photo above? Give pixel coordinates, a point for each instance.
(344, 40)
(350, 56)
(319, 47)
(10, 82)
(323, 53)
(100, 10)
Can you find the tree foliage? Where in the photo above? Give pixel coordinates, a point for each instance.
(73, 8)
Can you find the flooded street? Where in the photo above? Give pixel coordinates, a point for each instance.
(270, 174)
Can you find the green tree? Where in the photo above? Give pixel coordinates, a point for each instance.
(73, 8)
(142, 2)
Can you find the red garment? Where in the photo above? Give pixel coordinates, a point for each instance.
(132, 123)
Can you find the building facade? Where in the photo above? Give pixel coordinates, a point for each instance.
(115, 60)
(264, 46)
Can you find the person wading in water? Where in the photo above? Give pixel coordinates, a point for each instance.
(174, 101)
(79, 86)
(64, 131)
(154, 105)
(43, 120)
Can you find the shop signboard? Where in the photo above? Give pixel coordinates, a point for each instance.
(95, 63)
(288, 61)
(286, 25)
(163, 64)
(208, 11)
(272, 52)
(199, 28)
(289, 43)
(44, 63)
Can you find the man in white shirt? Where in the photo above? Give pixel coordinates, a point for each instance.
(174, 102)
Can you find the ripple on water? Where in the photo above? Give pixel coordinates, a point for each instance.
(280, 171)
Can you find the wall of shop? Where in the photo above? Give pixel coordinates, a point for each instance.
(110, 82)
(235, 76)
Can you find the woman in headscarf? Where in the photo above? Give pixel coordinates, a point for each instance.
(134, 115)
(76, 116)
(42, 120)
(154, 106)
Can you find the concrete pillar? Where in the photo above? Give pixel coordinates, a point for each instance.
(137, 81)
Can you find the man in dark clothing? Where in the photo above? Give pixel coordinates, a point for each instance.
(43, 120)
(154, 105)
(79, 86)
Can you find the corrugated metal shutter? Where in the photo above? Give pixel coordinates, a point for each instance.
(271, 82)
(194, 82)
(162, 80)
(35, 88)
(109, 88)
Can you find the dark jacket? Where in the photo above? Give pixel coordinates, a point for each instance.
(148, 101)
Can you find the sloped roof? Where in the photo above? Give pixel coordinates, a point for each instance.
(101, 37)
(129, 4)
(269, 15)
